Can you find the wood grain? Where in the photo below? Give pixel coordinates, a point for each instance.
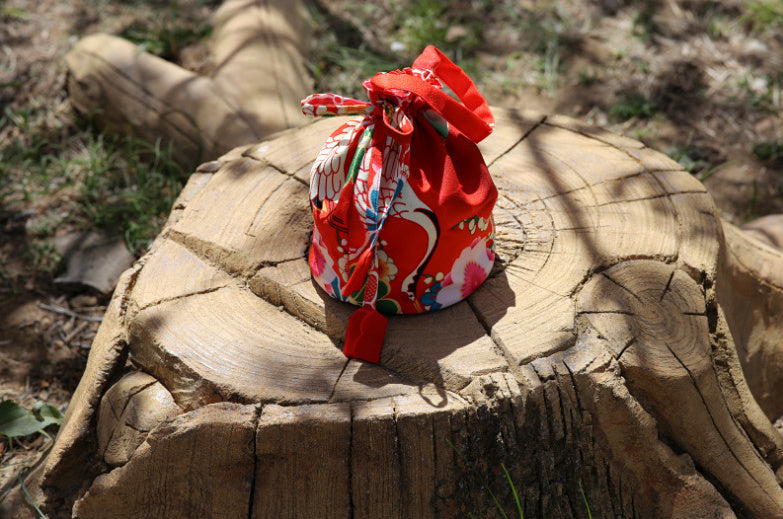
(203, 452)
(600, 355)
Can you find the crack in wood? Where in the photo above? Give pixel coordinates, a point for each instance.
(211, 253)
(283, 171)
(604, 274)
(337, 381)
(588, 229)
(134, 393)
(619, 181)
(263, 205)
(516, 203)
(625, 347)
(668, 285)
(729, 447)
(257, 424)
(599, 312)
(351, 506)
(160, 301)
(563, 414)
(651, 197)
(524, 136)
(576, 388)
(397, 450)
(499, 348)
(589, 135)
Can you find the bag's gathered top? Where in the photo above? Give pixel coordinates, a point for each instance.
(402, 198)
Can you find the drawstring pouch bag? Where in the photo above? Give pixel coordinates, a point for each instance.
(401, 197)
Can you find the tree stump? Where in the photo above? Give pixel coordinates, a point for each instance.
(602, 361)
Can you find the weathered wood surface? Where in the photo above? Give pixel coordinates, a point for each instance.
(599, 355)
(768, 229)
(258, 80)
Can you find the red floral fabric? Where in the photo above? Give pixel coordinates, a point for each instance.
(401, 197)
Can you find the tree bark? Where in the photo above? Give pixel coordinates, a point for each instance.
(601, 363)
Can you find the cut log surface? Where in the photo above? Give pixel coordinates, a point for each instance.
(597, 364)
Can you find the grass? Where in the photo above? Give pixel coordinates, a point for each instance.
(455, 28)
(643, 22)
(341, 60)
(163, 37)
(511, 485)
(550, 63)
(707, 173)
(125, 187)
(768, 150)
(754, 198)
(20, 478)
(116, 185)
(692, 159)
(59, 173)
(169, 27)
(549, 34)
(761, 93)
(763, 15)
(425, 21)
(484, 482)
(128, 187)
(13, 13)
(632, 105)
(514, 491)
(584, 498)
(29, 497)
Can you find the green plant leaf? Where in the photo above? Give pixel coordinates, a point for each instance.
(47, 413)
(16, 421)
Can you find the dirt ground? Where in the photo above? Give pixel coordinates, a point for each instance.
(698, 80)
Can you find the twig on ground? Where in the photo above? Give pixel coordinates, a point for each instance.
(63, 311)
(76, 331)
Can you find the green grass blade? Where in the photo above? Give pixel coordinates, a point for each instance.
(483, 481)
(704, 175)
(584, 497)
(514, 490)
(29, 497)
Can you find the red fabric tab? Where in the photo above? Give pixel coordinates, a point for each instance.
(365, 333)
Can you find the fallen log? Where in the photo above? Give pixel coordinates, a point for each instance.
(258, 79)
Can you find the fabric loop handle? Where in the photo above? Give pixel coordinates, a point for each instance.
(456, 79)
(472, 116)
